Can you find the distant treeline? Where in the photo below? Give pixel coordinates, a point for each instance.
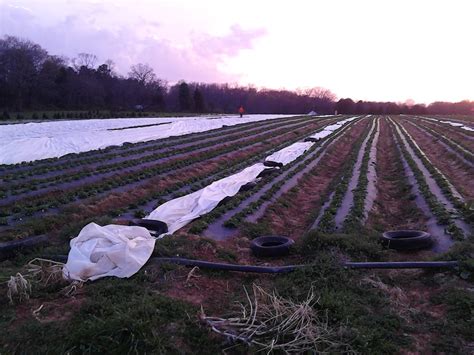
(31, 79)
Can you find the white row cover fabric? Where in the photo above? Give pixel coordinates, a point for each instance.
(112, 250)
(460, 125)
(180, 211)
(290, 153)
(328, 130)
(451, 123)
(34, 141)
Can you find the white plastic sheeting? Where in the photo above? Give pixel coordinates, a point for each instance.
(290, 153)
(328, 130)
(111, 250)
(33, 141)
(180, 211)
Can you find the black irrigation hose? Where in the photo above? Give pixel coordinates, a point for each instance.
(289, 268)
(8, 249)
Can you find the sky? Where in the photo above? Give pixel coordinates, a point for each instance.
(366, 49)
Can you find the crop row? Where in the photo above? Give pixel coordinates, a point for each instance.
(456, 146)
(141, 161)
(28, 206)
(154, 189)
(339, 187)
(444, 184)
(442, 215)
(462, 137)
(73, 161)
(353, 221)
(285, 173)
(278, 189)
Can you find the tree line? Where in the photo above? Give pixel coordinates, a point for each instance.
(33, 79)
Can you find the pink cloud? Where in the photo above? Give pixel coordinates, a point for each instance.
(130, 43)
(228, 45)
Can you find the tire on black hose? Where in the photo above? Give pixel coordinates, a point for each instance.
(407, 239)
(271, 246)
(157, 226)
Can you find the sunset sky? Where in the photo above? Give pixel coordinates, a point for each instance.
(370, 50)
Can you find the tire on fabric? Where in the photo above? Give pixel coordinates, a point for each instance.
(272, 164)
(248, 186)
(407, 239)
(267, 172)
(153, 225)
(271, 246)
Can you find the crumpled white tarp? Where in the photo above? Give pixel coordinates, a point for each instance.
(112, 250)
(290, 153)
(33, 141)
(182, 210)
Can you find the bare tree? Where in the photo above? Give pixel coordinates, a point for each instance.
(86, 60)
(320, 93)
(143, 73)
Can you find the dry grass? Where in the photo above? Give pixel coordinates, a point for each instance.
(398, 299)
(18, 288)
(273, 323)
(42, 273)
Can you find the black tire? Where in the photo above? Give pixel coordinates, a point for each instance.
(267, 172)
(153, 225)
(271, 246)
(407, 239)
(309, 139)
(248, 186)
(272, 164)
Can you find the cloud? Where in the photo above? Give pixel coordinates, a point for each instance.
(93, 30)
(229, 45)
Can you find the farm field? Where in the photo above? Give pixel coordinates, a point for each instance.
(353, 178)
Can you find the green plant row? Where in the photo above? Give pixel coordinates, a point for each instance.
(353, 221)
(458, 147)
(238, 218)
(203, 222)
(44, 166)
(440, 179)
(29, 206)
(229, 204)
(52, 181)
(46, 224)
(327, 224)
(439, 211)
